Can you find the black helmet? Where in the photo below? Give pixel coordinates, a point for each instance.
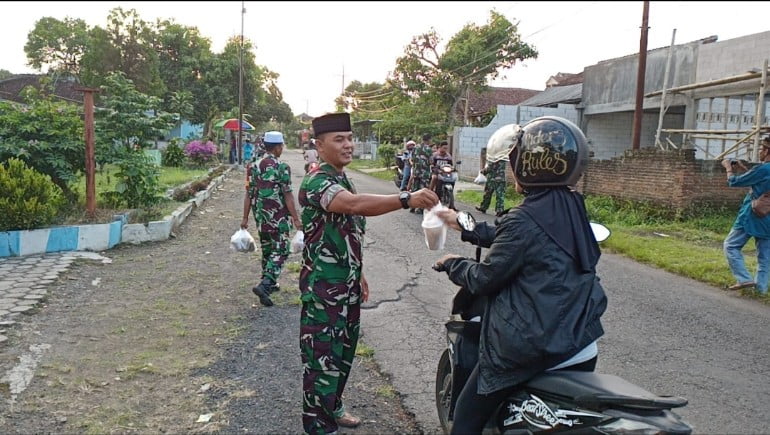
(552, 152)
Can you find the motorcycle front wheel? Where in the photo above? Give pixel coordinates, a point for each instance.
(444, 391)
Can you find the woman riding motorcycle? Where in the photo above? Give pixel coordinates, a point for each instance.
(543, 297)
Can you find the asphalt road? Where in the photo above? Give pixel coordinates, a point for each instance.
(667, 334)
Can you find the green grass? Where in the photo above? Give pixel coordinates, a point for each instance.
(365, 164)
(106, 180)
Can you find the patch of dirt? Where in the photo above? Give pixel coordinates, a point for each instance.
(170, 332)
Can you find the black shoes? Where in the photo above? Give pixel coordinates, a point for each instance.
(483, 210)
(263, 291)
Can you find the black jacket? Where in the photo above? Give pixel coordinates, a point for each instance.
(541, 308)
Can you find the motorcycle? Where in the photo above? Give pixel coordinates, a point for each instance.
(558, 401)
(399, 170)
(445, 184)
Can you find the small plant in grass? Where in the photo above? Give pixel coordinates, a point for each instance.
(201, 153)
(364, 351)
(173, 155)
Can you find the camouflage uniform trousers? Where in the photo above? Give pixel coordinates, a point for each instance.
(418, 183)
(498, 188)
(275, 251)
(328, 340)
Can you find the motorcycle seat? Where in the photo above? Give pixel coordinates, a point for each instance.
(601, 391)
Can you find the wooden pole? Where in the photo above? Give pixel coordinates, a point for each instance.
(760, 114)
(88, 111)
(663, 97)
(637, 132)
(724, 81)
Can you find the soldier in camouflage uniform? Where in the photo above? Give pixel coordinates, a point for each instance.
(331, 280)
(269, 196)
(495, 172)
(421, 173)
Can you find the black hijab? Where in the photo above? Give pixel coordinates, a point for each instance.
(561, 213)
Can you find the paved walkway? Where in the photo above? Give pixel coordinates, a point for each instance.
(23, 281)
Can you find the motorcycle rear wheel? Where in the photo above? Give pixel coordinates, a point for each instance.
(444, 391)
(447, 197)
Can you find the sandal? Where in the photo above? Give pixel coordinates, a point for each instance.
(348, 420)
(741, 285)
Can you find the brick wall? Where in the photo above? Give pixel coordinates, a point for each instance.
(672, 179)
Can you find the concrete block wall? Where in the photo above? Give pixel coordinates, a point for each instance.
(732, 57)
(470, 141)
(610, 134)
(671, 179)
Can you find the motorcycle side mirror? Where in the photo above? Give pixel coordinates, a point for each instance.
(466, 221)
(601, 233)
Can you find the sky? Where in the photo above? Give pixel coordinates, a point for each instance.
(318, 47)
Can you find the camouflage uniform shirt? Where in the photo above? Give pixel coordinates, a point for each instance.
(268, 179)
(333, 241)
(421, 159)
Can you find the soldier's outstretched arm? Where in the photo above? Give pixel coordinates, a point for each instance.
(368, 204)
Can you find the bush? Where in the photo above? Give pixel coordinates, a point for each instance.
(173, 155)
(28, 199)
(387, 154)
(137, 184)
(201, 153)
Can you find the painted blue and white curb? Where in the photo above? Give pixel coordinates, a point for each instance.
(99, 237)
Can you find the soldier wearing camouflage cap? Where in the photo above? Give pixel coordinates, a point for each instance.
(269, 196)
(331, 280)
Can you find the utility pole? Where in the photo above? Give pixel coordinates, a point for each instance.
(240, 89)
(342, 91)
(636, 137)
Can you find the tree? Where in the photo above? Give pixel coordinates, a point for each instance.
(46, 134)
(59, 45)
(472, 56)
(128, 117)
(183, 55)
(4, 74)
(125, 45)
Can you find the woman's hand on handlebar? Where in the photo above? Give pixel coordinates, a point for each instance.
(439, 266)
(450, 218)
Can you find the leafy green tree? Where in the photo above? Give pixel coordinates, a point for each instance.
(472, 56)
(128, 117)
(125, 45)
(57, 44)
(47, 135)
(4, 74)
(184, 56)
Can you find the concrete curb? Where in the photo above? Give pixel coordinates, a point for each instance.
(100, 237)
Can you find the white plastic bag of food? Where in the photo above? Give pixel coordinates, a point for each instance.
(298, 242)
(480, 179)
(434, 228)
(242, 241)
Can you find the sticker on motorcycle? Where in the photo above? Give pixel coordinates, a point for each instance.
(537, 413)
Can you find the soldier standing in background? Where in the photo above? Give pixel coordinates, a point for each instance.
(269, 195)
(495, 173)
(421, 166)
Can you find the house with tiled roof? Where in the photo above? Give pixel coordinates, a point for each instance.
(564, 79)
(483, 105)
(64, 88)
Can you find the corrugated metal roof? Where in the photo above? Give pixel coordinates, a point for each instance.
(555, 95)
